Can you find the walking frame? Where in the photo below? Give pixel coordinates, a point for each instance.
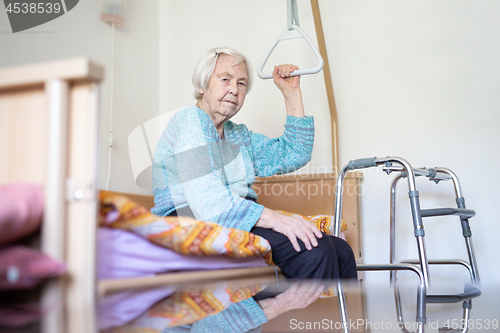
(420, 266)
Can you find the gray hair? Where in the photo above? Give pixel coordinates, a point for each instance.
(206, 66)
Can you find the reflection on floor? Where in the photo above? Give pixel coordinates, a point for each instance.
(381, 313)
(323, 315)
(370, 308)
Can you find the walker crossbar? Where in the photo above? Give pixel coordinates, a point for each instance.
(473, 292)
(462, 212)
(403, 266)
(432, 174)
(445, 262)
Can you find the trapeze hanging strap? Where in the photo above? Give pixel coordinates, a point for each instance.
(292, 13)
(292, 31)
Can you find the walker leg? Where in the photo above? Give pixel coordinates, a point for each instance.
(343, 308)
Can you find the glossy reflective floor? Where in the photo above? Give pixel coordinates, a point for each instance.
(370, 308)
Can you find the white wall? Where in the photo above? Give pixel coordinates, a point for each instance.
(189, 28)
(81, 33)
(420, 80)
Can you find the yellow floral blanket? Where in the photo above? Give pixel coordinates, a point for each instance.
(194, 238)
(187, 236)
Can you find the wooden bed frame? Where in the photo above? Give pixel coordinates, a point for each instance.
(49, 136)
(303, 194)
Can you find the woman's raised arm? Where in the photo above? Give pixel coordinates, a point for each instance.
(290, 88)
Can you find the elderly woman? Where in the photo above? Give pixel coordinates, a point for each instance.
(205, 165)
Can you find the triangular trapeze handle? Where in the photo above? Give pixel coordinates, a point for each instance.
(289, 33)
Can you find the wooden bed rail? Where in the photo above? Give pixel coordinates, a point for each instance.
(266, 274)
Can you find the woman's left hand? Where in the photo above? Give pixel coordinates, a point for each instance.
(283, 80)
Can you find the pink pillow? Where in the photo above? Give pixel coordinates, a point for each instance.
(23, 267)
(21, 211)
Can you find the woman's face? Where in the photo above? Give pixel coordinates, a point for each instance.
(226, 89)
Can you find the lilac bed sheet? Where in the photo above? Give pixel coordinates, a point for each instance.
(123, 254)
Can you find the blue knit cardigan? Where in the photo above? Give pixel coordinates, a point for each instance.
(198, 174)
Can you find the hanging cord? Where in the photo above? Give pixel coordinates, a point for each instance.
(110, 136)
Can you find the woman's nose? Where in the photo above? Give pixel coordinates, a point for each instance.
(233, 88)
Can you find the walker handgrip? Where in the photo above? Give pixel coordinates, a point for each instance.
(362, 163)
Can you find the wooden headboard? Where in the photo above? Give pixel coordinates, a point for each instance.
(315, 195)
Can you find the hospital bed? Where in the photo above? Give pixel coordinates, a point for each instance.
(49, 136)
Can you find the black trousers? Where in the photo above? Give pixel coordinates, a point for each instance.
(331, 259)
